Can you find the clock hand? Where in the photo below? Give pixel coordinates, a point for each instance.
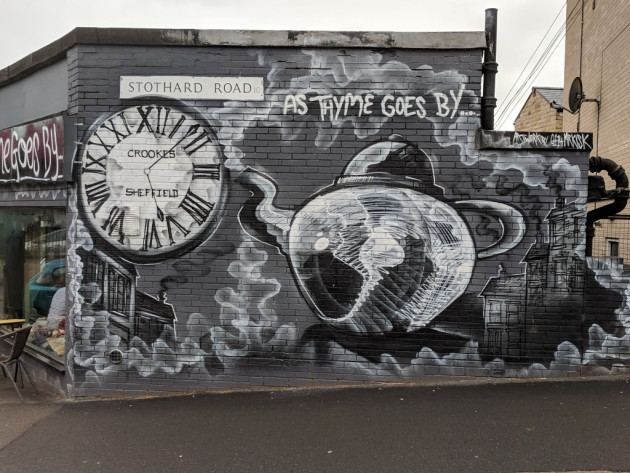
(147, 172)
(168, 152)
(160, 214)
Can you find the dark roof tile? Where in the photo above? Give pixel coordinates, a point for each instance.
(551, 94)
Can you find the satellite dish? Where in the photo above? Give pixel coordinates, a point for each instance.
(576, 95)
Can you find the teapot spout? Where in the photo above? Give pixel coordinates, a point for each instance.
(259, 216)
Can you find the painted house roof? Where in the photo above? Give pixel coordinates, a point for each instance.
(512, 285)
(151, 305)
(537, 251)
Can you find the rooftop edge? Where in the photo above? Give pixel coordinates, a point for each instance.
(270, 38)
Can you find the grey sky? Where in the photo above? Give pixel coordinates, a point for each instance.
(27, 25)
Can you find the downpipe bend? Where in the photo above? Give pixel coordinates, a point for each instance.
(618, 174)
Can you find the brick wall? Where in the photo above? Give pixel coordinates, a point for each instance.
(537, 115)
(595, 51)
(615, 229)
(345, 227)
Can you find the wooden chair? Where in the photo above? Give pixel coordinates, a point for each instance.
(13, 359)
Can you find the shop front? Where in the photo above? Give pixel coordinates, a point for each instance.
(33, 198)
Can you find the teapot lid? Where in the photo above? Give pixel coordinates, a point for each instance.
(393, 161)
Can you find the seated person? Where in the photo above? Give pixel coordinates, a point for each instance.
(45, 329)
(57, 311)
(43, 289)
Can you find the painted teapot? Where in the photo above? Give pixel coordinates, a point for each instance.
(379, 250)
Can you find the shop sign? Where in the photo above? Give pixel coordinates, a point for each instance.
(32, 152)
(193, 87)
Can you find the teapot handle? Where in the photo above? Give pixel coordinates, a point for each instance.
(511, 220)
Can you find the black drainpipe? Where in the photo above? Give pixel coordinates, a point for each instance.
(490, 68)
(616, 172)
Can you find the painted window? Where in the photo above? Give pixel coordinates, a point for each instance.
(612, 247)
(560, 274)
(495, 313)
(576, 230)
(118, 292)
(33, 276)
(513, 313)
(558, 234)
(94, 271)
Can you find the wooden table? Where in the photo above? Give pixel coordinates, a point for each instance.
(12, 323)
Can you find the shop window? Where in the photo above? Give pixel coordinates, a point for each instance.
(33, 276)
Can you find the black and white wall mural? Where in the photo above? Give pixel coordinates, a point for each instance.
(346, 222)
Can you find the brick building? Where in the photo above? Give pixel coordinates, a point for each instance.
(247, 209)
(537, 114)
(597, 34)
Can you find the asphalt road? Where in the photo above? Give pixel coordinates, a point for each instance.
(507, 427)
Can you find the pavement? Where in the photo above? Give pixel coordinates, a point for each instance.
(542, 426)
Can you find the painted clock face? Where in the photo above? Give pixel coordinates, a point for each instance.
(151, 180)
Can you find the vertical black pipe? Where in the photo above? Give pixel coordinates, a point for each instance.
(616, 172)
(490, 68)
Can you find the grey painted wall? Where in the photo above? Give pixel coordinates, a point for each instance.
(41, 94)
(294, 239)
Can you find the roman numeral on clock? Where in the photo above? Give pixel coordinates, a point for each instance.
(151, 236)
(177, 126)
(122, 125)
(198, 141)
(206, 171)
(162, 118)
(171, 221)
(197, 208)
(115, 222)
(97, 192)
(159, 122)
(102, 143)
(195, 137)
(96, 162)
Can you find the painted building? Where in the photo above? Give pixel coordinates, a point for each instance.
(518, 307)
(247, 209)
(542, 111)
(596, 37)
